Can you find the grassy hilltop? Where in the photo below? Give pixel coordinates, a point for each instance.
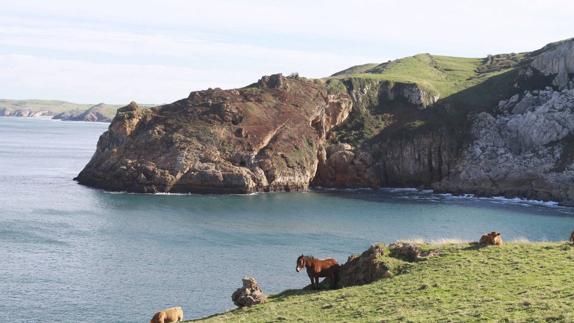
(461, 86)
(442, 75)
(520, 281)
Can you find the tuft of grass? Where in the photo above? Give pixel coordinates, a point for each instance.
(516, 282)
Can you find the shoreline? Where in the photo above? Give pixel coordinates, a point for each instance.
(392, 190)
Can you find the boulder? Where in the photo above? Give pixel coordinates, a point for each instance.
(364, 269)
(248, 295)
(409, 251)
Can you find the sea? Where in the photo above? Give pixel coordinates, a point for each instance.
(70, 253)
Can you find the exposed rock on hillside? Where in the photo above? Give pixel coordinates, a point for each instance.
(556, 59)
(409, 251)
(261, 138)
(526, 150)
(340, 165)
(364, 269)
(249, 294)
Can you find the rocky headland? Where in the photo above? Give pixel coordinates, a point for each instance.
(97, 113)
(501, 125)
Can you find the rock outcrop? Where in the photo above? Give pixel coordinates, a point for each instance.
(409, 251)
(265, 137)
(524, 150)
(365, 268)
(557, 60)
(342, 166)
(248, 295)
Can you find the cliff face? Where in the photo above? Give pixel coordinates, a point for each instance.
(261, 138)
(505, 128)
(556, 60)
(525, 150)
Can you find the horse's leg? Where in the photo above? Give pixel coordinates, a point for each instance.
(312, 283)
(332, 279)
(317, 282)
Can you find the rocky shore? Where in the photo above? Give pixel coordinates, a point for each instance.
(506, 131)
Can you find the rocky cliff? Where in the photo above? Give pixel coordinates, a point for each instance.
(526, 149)
(264, 137)
(494, 126)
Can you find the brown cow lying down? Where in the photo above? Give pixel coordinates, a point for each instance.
(493, 238)
(172, 314)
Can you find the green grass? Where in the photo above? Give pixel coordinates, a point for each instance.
(518, 282)
(444, 75)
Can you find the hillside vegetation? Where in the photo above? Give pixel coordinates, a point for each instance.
(519, 281)
(444, 75)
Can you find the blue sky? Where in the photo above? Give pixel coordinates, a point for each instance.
(157, 52)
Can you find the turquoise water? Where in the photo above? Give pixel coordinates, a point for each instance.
(71, 253)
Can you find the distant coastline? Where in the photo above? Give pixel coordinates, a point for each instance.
(60, 110)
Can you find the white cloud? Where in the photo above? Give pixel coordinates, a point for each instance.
(116, 51)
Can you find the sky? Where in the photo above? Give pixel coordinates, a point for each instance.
(158, 51)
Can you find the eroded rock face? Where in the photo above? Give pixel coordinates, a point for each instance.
(373, 92)
(261, 138)
(524, 151)
(418, 160)
(557, 59)
(248, 295)
(342, 166)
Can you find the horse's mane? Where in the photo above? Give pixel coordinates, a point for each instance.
(309, 258)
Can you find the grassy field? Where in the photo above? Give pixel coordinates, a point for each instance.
(518, 282)
(444, 75)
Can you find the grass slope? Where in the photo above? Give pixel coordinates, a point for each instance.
(444, 75)
(524, 282)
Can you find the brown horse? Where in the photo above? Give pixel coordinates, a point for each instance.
(319, 268)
